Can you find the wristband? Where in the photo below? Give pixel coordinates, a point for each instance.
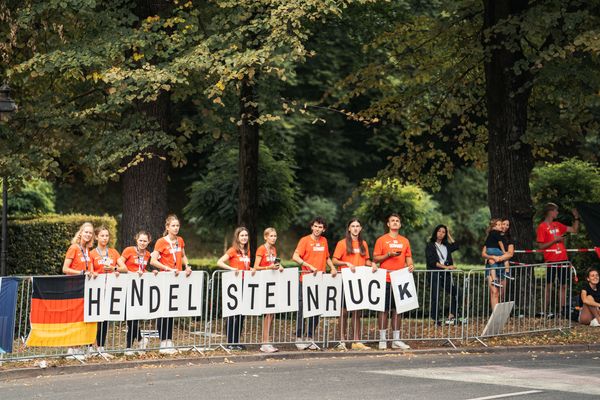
(82, 273)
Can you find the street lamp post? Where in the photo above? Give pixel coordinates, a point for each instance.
(7, 107)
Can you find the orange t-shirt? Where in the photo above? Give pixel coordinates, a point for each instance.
(108, 258)
(355, 258)
(386, 244)
(314, 252)
(81, 259)
(266, 259)
(170, 254)
(135, 262)
(237, 260)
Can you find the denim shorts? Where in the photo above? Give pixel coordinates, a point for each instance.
(499, 267)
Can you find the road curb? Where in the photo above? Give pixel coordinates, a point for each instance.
(22, 373)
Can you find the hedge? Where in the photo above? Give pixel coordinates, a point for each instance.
(37, 245)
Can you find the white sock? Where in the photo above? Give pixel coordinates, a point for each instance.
(396, 335)
(382, 334)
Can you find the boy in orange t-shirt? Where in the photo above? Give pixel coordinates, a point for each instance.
(312, 253)
(392, 251)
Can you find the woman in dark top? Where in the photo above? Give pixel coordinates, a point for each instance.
(438, 254)
(590, 296)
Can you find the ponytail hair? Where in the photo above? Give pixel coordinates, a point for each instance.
(100, 229)
(170, 218)
(140, 233)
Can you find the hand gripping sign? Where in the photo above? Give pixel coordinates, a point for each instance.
(112, 298)
(321, 295)
(364, 289)
(265, 292)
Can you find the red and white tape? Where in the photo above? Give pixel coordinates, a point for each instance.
(558, 251)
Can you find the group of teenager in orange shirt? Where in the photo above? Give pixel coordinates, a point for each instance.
(83, 258)
(391, 252)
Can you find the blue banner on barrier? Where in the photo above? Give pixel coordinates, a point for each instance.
(8, 306)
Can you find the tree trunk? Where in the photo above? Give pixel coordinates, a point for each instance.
(510, 160)
(144, 186)
(248, 162)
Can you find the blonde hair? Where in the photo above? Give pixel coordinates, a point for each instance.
(77, 238)
(170, 218)
(268, 231)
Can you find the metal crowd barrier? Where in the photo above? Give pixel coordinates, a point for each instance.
(462, 295)
(534, 290)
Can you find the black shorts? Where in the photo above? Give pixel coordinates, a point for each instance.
(558, 273)
(390, 303)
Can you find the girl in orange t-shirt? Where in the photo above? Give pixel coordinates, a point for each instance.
(350, 252)
(238, 257)
(169, 255)
(104, 260)
(266, 258)
(77, 260)
(135, 259)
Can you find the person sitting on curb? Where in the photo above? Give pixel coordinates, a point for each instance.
(590, 297)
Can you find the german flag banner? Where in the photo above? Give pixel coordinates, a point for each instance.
(57, 313)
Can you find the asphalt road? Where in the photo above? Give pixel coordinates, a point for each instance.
(573, 375)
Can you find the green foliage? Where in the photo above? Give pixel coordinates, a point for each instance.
(565, 184)
(423, 87)
(463, 200)
(382, 197)
(213, 199)
(37, 246)
(316, 206)
(35, 197)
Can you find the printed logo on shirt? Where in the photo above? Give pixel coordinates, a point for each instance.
(105, 261)
(318, 247)
(355, 250)
(245, 259)
(85, 258)
(395, 245)
(553, 231)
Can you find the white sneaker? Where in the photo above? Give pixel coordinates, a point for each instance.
(267, 348)
(399, 344)
(382, 339)
(301, 344)
(75, 354)
(128, 353)
(165, 349)
(594, 322)
(313, 346)
(341, 346)
(143, 344)
(102, 353)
